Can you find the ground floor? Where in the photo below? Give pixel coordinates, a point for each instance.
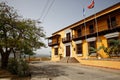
(80, 48)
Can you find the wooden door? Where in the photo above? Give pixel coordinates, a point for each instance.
(68, 50)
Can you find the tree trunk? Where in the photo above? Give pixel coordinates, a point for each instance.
(14, 53)
(4, 60)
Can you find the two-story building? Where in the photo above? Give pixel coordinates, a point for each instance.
(93, 31)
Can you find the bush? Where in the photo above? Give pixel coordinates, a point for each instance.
(23, 68)
(20, 68)
(13, 65)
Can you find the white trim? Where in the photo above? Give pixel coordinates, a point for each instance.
(79, 54)
(67, 44)
(55, 46)
(91, 39)
(77, 42)
(68, 31)
(111, 35)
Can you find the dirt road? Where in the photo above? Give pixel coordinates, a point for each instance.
(71, 71)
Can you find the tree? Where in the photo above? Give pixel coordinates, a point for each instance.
(94, 50)
(17, 33)
(112, 50)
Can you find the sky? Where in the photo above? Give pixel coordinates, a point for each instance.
(56, 14)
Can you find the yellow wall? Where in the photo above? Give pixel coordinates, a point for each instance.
(60, 49)
(100, 42)
(102, 63)
(54, 57)
(85, 49)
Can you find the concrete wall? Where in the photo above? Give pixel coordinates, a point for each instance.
(102, 63)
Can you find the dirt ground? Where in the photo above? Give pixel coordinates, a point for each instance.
(5, 75)
(71, 71)
(47, 70)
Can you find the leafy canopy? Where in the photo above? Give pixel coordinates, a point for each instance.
(17, 33)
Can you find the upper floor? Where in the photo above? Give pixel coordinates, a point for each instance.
(101, 23)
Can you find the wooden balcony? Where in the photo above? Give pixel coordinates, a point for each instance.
(100, 33)
(53, 43)
(54, 40)
(76, 37)
(66, 39)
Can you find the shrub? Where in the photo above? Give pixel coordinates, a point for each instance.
(23, 68)
(18, 67)
(13, 65)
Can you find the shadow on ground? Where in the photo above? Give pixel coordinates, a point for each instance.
(47, 71)
(5, 75)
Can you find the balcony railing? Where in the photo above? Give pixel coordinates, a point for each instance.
(53, 43)
(116, 28)
(66, 39)
(74, 37)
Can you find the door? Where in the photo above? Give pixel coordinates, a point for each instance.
(68, 50)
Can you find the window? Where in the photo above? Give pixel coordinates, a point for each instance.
(91, 29)
(79, 48)
(114, 38)
(111, 22)
(68, 36)
(93, 45)
(79, 32)
(114, 50)
(56, 51)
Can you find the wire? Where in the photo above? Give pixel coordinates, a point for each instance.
(48, 10)
(43, 11)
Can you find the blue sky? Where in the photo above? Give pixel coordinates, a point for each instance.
(61, 14)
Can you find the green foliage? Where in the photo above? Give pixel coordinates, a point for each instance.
(13, 65)
(17, 33)
(20, 68)
(114, 48)
(23, 68)
(94, 50)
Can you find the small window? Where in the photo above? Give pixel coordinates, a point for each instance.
(56, 51)
(108, 23)
(115, 51)
(111, 22)
(68, 36)
(79, 32)
(91, 29)
(79, 48)
(111, 44)
(92, 44)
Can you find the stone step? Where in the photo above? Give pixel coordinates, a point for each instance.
(69, 60)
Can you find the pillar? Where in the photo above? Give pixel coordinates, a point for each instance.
(85, 49)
